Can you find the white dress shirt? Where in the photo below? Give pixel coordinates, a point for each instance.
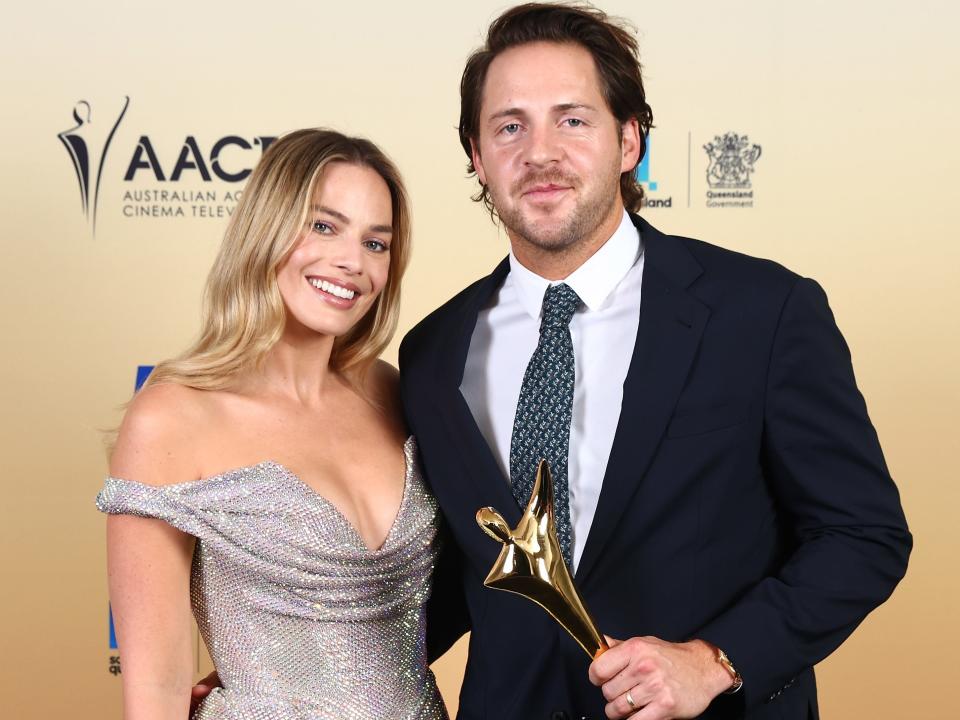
(603, 330)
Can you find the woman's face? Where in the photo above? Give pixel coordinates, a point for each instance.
(340, 261)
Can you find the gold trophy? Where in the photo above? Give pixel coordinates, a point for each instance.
(531, 564)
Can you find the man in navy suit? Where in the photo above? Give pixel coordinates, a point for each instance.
(729, 516)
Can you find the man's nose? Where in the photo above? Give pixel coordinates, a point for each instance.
(543, 146)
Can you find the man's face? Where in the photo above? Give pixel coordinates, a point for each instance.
(549, 149)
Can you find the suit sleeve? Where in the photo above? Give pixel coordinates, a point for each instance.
(841, 510)
(447, 615)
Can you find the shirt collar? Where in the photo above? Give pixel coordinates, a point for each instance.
(593, 281)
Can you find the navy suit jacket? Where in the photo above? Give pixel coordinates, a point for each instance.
(746, 500)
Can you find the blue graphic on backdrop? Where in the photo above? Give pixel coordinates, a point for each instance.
(143, 372)
(642, 174)
(113, 632)
(643, 169)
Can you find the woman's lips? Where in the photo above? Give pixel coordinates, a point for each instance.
(338, 293)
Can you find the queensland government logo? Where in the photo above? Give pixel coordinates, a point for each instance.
(732, 159)
(152, 187)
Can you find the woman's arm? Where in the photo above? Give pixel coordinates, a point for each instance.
(149, 561)
(148, 565)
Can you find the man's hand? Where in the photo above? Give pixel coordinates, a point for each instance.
(202, 689)
(665, 680)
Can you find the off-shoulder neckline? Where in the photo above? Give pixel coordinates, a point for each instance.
(409, 447)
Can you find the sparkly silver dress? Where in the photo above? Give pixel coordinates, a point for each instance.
(303, 622)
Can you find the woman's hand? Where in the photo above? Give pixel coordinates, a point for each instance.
(203, 688)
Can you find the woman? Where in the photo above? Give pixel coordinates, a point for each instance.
(263, 476)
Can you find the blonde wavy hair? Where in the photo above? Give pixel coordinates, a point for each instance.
(243, 314)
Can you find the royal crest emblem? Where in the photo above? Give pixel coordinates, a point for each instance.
(731, 161)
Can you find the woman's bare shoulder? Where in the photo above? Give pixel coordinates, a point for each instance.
(161, 433)
(383, 382)
(385, 375)
(382, 386)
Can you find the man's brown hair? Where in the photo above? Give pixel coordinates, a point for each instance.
(614, 51)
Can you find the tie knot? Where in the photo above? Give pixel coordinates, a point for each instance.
(559, 304)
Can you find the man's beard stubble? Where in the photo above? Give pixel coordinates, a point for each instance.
(586, 216)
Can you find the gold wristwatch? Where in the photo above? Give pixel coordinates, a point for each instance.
(728, 666)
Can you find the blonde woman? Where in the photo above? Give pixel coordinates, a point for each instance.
(264, 477)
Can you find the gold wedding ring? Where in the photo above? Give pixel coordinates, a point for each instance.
(630, 701)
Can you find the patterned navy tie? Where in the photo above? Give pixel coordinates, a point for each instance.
(541, 428)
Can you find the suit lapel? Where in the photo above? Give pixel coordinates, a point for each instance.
(491, 488)
(671, 324)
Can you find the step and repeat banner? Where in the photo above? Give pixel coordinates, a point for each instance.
(821, 135)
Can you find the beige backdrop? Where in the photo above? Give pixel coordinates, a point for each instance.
(852, 105)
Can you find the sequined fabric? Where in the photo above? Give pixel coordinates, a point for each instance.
(302, 621)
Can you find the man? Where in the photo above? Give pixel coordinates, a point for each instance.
(721, 494)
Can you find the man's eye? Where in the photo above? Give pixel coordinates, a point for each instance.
(574, 122)
(512, 128)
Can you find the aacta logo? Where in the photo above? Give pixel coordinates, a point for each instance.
(88, 141)
(192, 158)
(87, 147)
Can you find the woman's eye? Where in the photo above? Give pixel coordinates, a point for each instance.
(376, 245)
(322, 227)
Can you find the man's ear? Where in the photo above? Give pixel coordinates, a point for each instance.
(477, 161)
(629, 145)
